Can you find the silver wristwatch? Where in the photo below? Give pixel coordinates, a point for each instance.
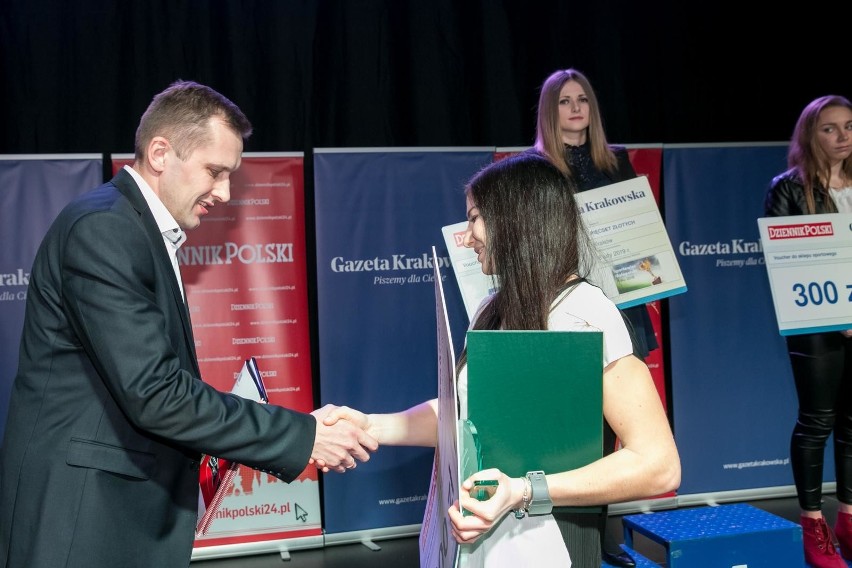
(540, 503)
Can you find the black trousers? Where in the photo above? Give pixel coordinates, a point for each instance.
(822, 370)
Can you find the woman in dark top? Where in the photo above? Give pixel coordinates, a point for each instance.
(819, 180)
(569, 132)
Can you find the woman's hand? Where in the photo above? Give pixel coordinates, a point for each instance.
(847, 332)
(357, 417)
(508, 495)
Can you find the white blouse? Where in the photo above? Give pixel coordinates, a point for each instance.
(537, 541)
(842, 198)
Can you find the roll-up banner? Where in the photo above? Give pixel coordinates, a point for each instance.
(733, 392)
(245, 274)
(379, 212)
(33, 190)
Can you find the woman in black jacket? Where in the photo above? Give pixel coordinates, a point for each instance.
(819, 180)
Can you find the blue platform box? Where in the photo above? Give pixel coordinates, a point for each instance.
(727, 536)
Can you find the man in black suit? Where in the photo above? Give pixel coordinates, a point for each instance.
(108, 414)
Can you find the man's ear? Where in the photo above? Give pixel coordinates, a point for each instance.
(158, 147)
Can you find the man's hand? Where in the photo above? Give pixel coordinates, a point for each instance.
(340, 445)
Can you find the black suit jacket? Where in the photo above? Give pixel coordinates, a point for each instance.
(108, 415)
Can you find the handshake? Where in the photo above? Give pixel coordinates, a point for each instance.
(344, 436)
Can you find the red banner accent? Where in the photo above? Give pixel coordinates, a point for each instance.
(649, 162)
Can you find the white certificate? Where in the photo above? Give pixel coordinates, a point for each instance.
(636, 263)
(809, 264)
(634, 260)
(473, 284)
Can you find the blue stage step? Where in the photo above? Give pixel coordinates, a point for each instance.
(727, 536)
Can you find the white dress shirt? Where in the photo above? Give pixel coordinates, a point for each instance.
(173, 235)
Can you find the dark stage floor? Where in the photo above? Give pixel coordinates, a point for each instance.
(403, 552)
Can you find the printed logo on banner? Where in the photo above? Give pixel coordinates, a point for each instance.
(228, 253)
(459, 238)
(259, 497)
(19, 279)
(800, 230)
(734, 246)
(726, 248)
(393, 263)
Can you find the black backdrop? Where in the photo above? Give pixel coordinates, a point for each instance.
(76, 74)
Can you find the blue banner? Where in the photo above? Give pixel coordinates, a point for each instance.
(733, 395)
(378, 215)
(33, 189)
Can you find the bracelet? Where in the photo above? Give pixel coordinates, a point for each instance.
(521, 512)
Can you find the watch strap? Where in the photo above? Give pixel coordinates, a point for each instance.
(540, 503)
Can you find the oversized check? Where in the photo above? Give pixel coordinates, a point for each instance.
(634, 260)
(809, 264)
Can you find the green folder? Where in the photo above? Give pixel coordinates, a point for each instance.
(535, 401)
